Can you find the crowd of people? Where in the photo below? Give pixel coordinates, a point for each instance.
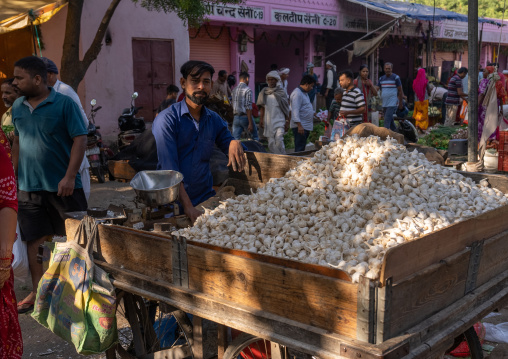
(281, 109)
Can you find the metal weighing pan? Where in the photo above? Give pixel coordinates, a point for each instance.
(157, 188)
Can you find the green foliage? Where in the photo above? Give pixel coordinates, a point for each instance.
(289, 140)
(439, 137)
(493, 9)
(8, 128)
(190, 11)
(319, 130)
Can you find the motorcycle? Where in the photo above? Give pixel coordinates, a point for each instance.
(130, 125)
(96, 152)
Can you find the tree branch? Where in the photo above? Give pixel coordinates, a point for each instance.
(95, 47)
(70, 56)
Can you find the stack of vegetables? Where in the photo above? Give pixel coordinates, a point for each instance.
(438, 137)
(346, 206)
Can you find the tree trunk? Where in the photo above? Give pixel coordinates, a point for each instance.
(73, 69)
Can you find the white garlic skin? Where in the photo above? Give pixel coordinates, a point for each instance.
(346, 206)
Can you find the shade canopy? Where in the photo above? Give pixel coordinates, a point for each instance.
(15, 15)
(415, 11)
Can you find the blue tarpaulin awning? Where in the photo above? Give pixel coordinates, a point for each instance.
(416, 11)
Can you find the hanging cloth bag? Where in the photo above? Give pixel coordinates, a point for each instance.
(75, 298)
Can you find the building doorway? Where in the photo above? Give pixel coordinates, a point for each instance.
(153, 69)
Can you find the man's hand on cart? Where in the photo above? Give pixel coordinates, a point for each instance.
(193, 213)
(236, 156)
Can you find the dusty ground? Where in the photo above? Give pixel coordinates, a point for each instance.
(40, 342)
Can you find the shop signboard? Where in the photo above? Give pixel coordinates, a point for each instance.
(234, 12)
(304, 19)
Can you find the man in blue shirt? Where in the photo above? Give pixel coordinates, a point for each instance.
(302, 114)
(391, 93)
(185, 135)
(49, 145)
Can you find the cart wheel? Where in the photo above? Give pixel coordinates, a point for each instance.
(247, 346)
(473, 342)
(146, 327)
(475, 347)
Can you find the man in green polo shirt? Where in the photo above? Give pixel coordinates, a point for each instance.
(49, 144)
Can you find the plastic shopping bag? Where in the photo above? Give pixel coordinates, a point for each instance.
(339, 129)
(75, 298)
(20, 262)
(462, 350)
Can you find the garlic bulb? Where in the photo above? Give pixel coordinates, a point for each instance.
(346, 206)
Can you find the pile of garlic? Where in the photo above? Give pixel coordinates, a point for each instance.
(346, 206)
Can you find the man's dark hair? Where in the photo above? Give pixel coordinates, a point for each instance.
(348, 74)
(222, 73)
(195, 68)
(462, 70)
(34, 66)
(172, 89)
(244, 75)
(231, 81)
(307, 80)
(8, 81)
(273, 67)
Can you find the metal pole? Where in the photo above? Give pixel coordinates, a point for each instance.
(472, 16)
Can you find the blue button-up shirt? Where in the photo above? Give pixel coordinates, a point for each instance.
(186, 146)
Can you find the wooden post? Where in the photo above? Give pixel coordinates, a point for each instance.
(197, 346)
(222, 340)
(472, 144)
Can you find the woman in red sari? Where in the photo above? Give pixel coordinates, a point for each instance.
(11, 344)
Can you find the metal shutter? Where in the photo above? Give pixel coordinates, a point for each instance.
(205, 47)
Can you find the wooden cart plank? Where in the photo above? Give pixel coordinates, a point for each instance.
(494, 258)
(497, 181)
(306, 267)
(408, 258)
(433, 334)
(298, 336)
(263, 166)
(308, 298)
(426, 293)
(127, 247)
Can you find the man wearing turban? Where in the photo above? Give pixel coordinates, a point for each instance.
(274, 113)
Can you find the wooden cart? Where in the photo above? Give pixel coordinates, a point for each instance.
(430, 291)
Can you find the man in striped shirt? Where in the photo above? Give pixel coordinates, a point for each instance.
(242, 109)
(353, 102)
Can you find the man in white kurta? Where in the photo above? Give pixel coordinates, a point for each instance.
(274, 113)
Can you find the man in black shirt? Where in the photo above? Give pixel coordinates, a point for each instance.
(171, 95)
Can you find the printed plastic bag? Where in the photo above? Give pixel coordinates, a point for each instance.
(462, 350)
(339, 129)
(75, 298)
(20, 263)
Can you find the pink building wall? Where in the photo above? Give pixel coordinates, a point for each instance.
(262, 54)
(110, 78)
